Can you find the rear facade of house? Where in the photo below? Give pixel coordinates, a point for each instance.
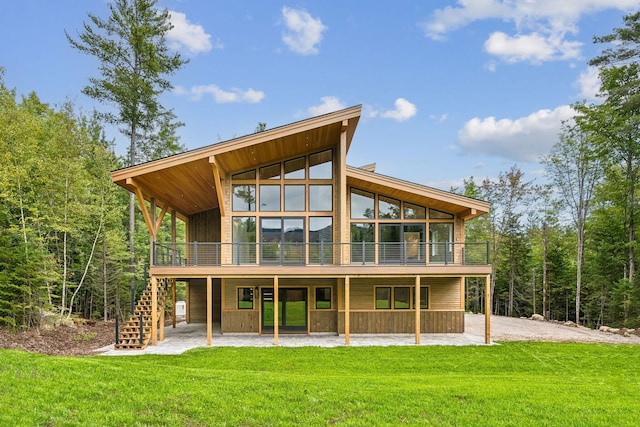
(283, 237)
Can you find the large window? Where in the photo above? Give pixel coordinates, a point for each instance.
(440, 242)
(362, 205)
(362, 242)
(244, 239)
(320, 198)
(270, 198)
(388, 208)
(321, 165)
(244, 198)
(320, 240)
(294, 198)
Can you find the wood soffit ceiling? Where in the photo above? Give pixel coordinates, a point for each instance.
(185, 181)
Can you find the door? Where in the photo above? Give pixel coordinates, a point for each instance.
(292, 310)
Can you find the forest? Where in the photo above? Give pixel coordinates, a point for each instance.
(72, 243)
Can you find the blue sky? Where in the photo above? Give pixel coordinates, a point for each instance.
(450, 89)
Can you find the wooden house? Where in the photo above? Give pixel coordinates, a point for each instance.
(278, 219)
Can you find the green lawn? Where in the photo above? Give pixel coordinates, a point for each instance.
(515, 384)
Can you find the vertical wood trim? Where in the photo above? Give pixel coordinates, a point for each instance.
(462, 292)
(162, 323)
(187, 305)
(487, 310)
(343, 217)
(154, 310)
(223, 303)
(209, 309)
(417, 307)
(152, 234)
(275, 310)
(173, 303)
(347, 297)
(259, 298)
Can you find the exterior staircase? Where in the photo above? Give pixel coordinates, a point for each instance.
(129, 334)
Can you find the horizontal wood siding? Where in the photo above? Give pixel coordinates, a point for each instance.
(444, 292)
(198, 300)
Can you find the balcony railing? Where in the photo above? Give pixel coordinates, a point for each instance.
(324, 253)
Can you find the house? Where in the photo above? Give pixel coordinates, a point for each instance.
(278, 219)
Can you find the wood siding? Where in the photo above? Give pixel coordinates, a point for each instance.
(205, 226)
(198, 300)
(402, 322)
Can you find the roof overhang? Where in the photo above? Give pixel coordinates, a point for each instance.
(190, 182)
(462, 206)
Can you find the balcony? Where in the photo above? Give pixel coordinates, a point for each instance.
(207, 254)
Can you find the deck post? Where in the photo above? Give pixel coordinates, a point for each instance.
(154, 310)
(417, 307)
(275, 310)
(209, 309)
(346, 310)
(173, 303)
(487, 309)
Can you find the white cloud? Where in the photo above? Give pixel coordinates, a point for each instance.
(523, 139)
(329, 104)
(534, 47)
(588, 84)
(440, 119)
(304, 31)
(189, 36)
(404, 111)
(540, 27)
(220, 96)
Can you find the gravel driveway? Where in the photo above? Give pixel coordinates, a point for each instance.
(515, 329)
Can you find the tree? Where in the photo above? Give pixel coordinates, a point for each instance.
(575, 167)
(618, 118)
(509, 196)
(134, 62)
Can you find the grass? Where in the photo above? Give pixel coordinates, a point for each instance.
(514, 384)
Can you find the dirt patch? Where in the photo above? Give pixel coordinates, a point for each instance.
(76, 340)
(515, 329)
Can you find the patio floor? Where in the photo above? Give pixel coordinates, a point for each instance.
(187, 336)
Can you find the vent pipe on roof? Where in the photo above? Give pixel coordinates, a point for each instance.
(371, 167)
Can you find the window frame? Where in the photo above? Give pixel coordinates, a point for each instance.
(330, 301)
(239, 300)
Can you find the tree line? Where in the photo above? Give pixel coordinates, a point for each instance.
(68, 245)
(567, 249)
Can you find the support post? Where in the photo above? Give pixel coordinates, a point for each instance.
(417, 307)
(487, 310)
(154, 310)
(347, 297)
(275, 310)
(188, 307)
(173, 303)
(209, 309)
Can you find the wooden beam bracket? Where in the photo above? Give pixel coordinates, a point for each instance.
(217, 183)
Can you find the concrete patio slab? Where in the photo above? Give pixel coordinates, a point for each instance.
(187, 336)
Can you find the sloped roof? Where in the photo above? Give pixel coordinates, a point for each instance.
(186, 181)
(465, 207)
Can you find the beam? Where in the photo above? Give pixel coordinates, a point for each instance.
(487, 310)
(275, 310)
(417, 307)
(160, 218)
(209, 309)
(217, 183)
(143, 207)
(469, 213)
(347, 297)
